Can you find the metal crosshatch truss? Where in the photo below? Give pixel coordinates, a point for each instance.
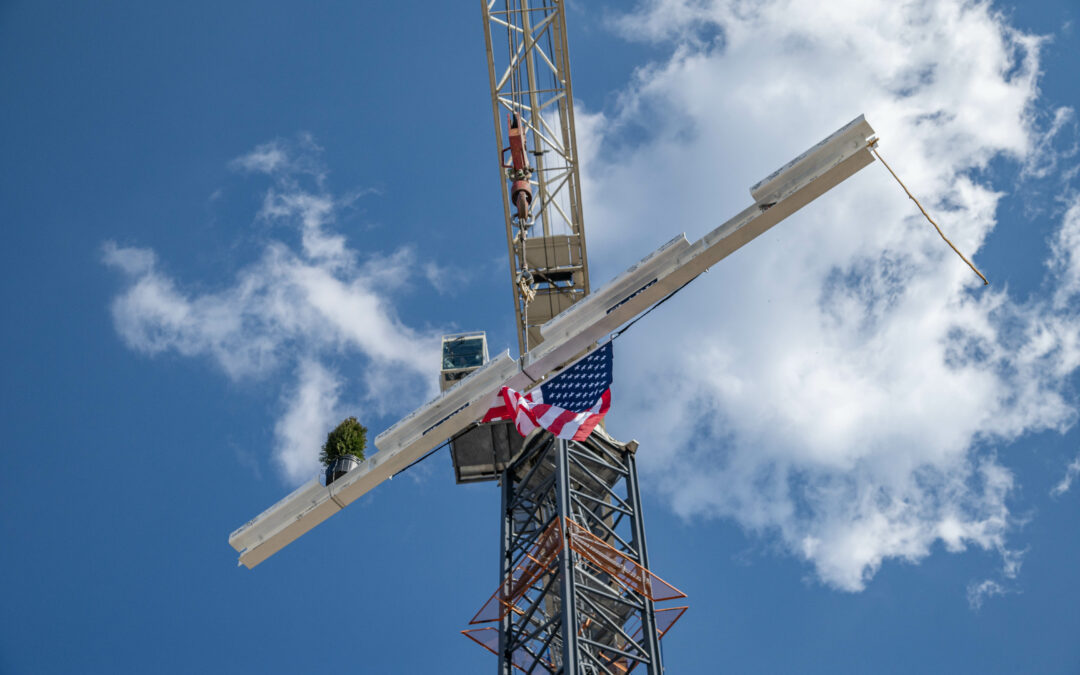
(577, 595)
(532, 103)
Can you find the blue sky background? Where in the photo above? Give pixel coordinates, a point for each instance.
(132, 450)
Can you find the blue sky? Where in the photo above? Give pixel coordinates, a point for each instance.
(227, 227)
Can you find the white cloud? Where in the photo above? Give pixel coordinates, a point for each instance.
(836, 383)
(1071, 472)
(1047, 158)
(977, 593)
(292, 309)
(266, 158)
(1065, 257)
(312, 409)
(131, 260)
(284, 159)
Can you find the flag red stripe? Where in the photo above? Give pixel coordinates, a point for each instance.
(527, 415)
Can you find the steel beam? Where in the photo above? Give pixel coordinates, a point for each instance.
(567, 336)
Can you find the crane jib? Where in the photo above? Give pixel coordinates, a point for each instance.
(565, 336)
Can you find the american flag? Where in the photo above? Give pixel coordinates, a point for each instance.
(569, 405)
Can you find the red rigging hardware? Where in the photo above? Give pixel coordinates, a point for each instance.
(518, 170)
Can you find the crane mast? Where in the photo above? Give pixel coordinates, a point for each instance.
(532, 103)
(576, 595)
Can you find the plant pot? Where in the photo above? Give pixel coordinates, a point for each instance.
(341, 466)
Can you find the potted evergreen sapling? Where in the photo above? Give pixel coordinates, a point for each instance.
(344, 448)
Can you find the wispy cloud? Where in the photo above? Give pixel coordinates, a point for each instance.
(285, 159)
(978, 592)
(1048, 156)
(266, 158)
(1065, 258)
(293, 310)
(1071, 472)
(311, 410)
(842, 384)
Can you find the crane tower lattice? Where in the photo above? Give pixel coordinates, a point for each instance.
(576, 594)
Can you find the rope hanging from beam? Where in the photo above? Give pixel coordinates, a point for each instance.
(873, 149)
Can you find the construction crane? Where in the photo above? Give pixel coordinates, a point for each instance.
(575, 592)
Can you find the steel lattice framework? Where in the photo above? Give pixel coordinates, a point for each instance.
(577, 596)
(576, 593)
(529, 69)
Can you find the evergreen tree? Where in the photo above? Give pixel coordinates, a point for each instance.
(348, 438)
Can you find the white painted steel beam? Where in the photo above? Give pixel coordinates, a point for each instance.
(400, 445)
(676, 263)
(633, 292)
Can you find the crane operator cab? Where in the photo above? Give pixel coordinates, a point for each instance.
(462, 353)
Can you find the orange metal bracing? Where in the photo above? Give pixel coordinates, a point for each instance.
(488, 638)
(541, 560)
(538, 560)
(622, 569)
